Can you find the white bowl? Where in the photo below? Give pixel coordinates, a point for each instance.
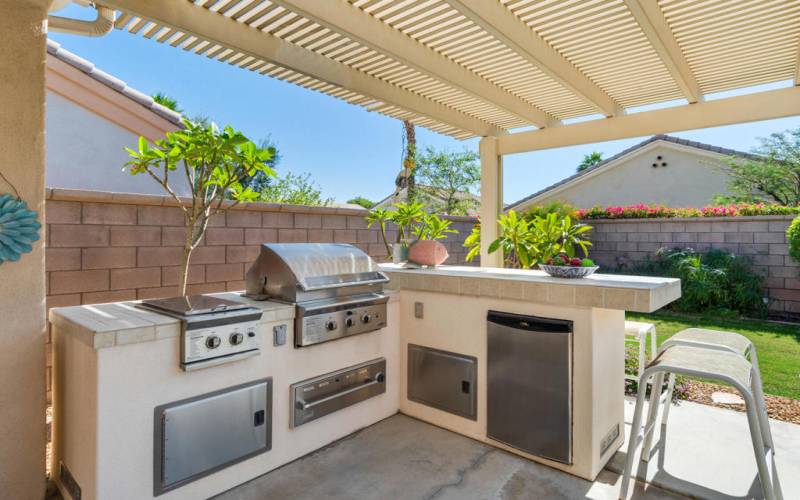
(568, 271)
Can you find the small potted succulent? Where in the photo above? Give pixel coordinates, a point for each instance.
(564, 266)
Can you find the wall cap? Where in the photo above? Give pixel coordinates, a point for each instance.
(737, 218)
(91, 196)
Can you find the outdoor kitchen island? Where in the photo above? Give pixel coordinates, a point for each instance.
(557, 391)
(122, 401)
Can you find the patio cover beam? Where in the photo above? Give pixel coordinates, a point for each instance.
(342, 17)
(655, 27)
(767, 105)
(797, 66)
(189, 18)
(501, 23)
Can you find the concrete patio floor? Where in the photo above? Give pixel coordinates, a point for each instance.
(709, 454)
(404, 458)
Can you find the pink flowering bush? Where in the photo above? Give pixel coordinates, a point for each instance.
(642, 211)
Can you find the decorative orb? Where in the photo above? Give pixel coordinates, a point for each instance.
(18, 228)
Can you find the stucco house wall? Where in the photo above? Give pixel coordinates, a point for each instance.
(689, 179)
(87, 151)
(91, 118)
(685, 174)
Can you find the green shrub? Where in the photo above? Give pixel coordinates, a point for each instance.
(793, 235)
(560, 208)
(715, 281)
(526, 243)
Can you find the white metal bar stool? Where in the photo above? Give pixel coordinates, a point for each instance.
(715, 364)
(636, 331)
(722, 341)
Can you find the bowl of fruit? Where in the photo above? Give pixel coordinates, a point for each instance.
(564, 266)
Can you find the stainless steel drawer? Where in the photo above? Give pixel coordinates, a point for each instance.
(443, 380)
(197, 436)
(319, 396)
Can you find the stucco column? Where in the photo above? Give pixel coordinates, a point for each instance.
(22, 287)
(491, 199)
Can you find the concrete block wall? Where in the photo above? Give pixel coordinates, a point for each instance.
(623, 242)
(107, 247)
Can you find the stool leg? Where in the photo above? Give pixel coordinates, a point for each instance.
(758, 394)
(764, 476)
(633, 440)
(652, 414)
(653, 341)
(761, 408)
(668, 401)
(642, 358)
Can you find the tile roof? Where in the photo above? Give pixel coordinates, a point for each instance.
(655, 138)
(55, 49)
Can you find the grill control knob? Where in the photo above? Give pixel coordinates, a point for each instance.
(349, 322)
(236, 338)
(213, 342)
(366, 318)
(331, 325)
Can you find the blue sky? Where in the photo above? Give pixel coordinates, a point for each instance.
(347, 150)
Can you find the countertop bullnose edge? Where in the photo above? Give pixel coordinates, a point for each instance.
(609, 291)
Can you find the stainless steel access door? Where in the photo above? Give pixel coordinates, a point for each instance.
(443, 380)
(197, 436)
(529, 394)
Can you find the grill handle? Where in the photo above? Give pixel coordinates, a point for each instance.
(304, 405)
(383, 279)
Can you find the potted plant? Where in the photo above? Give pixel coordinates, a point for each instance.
(405, 216)
(214, 162)
(381, 216)
(427, 250)
(527, 243)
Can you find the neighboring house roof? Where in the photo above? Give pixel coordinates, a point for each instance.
(656, 138)
(76, 62)
(403, 196)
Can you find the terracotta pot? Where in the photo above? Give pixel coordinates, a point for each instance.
(427, 253)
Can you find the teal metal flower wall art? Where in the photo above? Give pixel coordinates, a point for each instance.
(18, 228)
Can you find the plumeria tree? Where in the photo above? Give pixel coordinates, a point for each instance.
(214, 162)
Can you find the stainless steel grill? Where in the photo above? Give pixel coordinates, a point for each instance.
(337, 288)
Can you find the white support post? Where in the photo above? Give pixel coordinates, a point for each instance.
(22, 283)
(491, 199)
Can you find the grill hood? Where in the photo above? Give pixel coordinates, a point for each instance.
(296, 272)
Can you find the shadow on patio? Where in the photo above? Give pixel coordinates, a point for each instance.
(405, 458)
(709, 456)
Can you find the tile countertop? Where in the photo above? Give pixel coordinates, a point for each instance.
(609, 291)
(119, 323)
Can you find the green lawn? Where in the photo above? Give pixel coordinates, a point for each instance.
(778, 345)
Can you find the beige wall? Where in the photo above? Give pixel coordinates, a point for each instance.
(87, 151)
(22, 391)
(691, 178)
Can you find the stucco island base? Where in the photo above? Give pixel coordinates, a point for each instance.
(455, 302)
(114, 363)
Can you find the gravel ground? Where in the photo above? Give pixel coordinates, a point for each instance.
(778, 407)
